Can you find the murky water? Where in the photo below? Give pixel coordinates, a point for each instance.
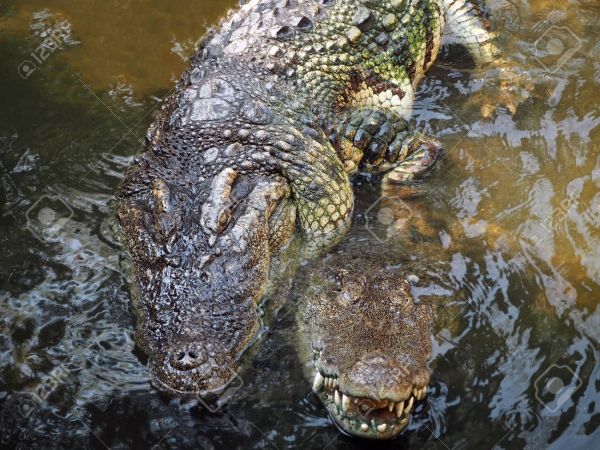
(519, 197)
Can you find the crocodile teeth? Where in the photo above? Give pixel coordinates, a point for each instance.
(345, 402)
(423, 391)
(409, 406)
(318, 381)
(381, 428)
(364, 427)
(391, 406)
(415, 392)
(337, 398)
(399, 408)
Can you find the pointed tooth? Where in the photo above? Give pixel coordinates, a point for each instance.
(391, 406)
(409, 405)
(364, 427)
(337, 398)
(345, 402)
(424, 391)
(382, 427)
(399, 408)
(415, 391)
(318, 382)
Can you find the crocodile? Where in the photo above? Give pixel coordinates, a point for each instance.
(364, 338)
(280, 106)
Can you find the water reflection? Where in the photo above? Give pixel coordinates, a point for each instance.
(519, 212)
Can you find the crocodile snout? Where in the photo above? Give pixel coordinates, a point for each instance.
(382, 376)
(191, 368)
(187, 357)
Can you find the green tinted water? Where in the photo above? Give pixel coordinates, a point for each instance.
(520, 198)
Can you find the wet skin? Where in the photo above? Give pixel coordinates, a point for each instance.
(279, 108)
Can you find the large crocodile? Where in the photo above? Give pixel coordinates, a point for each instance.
(279, 107)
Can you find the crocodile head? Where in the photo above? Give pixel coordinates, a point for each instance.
(201, 265)
(370, 342)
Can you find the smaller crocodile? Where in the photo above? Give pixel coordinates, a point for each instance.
(369, 338)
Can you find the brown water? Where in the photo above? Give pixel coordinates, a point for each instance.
(520, 197)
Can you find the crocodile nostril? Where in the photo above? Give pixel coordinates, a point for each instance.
(186, 358)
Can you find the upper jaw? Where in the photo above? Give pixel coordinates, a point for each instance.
(380, 418)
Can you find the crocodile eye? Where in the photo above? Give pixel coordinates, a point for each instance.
(337, 286)
(336, 282)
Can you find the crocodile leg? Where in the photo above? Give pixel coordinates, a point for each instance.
(467, 26)
(510, 84)
(379, 140)
(321, 191)
(423, 152)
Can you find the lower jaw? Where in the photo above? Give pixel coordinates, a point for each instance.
(367, 428)
(167, 389)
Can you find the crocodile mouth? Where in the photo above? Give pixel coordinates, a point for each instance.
(365, 417)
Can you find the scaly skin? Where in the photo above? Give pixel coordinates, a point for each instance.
(256, 145)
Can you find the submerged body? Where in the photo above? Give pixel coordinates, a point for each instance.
(280, 106)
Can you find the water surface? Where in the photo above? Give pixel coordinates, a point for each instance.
(519, 197)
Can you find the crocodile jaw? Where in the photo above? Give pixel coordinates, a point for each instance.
(366, 417)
